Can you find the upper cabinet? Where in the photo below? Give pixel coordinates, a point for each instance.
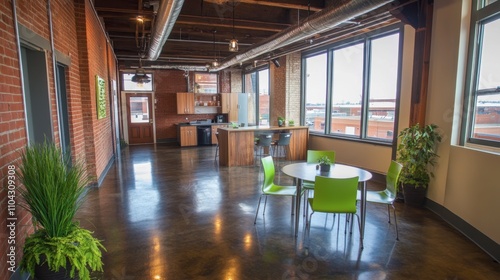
(229, 106)
(185, 103)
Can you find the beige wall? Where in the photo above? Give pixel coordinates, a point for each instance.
(375, 158)
(467, 180)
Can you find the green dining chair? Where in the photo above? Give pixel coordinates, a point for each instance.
(388, 195)
(334, 195)
(312, 157)
(270, 188)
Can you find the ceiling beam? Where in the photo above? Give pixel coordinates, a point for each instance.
(236, 26)
(269, 4)
(238, 23)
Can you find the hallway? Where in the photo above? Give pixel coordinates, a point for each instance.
(169, 213)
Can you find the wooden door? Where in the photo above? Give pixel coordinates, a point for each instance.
(140, 118)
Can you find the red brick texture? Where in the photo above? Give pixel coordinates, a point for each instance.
(77, 35)
(285, 89)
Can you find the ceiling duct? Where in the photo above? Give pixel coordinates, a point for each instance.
(319, 22)
(168, 12)
(180, 67)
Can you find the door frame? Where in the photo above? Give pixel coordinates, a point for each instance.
(125, 115)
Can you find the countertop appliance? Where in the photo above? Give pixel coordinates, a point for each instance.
(220, 119)
(204, 135)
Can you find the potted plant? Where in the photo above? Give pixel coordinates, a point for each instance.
(54, 189)
(281, 121)
(291, 122)
(417, 153)
(324, 164)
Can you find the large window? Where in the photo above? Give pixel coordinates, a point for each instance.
(256, 86)
(483, 125)
(129, 85)
(362, 89)
(315, 92)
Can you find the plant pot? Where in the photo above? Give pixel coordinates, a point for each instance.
(324, 168)
(414, 195)
(42, 272)
(281, 123)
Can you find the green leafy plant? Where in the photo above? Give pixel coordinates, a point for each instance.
(78, 250)
(281, 121)
(54, 189)
(291, 122)
(417, 153)
(324, 160)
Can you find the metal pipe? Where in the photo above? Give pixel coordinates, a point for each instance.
(21, 74)
(167, 15)
(52, 50)
(322, 21)
(179, 67)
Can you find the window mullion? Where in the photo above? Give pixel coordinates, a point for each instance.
(366, 82)
(329, 91)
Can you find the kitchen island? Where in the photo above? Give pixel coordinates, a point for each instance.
(236, 145)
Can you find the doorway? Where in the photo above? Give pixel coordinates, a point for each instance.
(139, 118)
(36, 95)
(63, 110)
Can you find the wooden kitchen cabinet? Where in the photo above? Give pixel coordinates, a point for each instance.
(187, 136)
(185, 103)
(229, 103)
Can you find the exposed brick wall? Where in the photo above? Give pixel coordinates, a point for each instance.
(236, 81)
(12, 132)
(93, 55)
(277, 90)
(285, 89)
(225, 81)
(293, 75)
(71, 21)
(167, 84)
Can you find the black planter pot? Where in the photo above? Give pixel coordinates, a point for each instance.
(324, 168)
(414, 195)
(42, 272)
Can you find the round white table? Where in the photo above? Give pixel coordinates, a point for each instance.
(307, 171)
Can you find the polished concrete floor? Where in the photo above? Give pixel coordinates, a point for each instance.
(165, 212)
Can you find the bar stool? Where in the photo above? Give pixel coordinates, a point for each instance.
(281, 143)
(265, 140)
(217, 146)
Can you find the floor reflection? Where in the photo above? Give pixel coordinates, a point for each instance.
(165, 212)
(143, 198)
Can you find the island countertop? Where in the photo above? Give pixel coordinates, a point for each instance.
(236, 145)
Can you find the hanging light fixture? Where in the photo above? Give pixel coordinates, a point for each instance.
(215, 63)
(140, 76)
(233, 43)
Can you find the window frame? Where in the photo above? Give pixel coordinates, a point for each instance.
(256, 71)
(366, 40)
(131, 72)
(217, 86)
(480, 15)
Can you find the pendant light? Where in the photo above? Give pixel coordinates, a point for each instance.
(215, 63)
(233, 43)
(140, 76)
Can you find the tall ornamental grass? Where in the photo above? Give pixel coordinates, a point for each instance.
(53, 187)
